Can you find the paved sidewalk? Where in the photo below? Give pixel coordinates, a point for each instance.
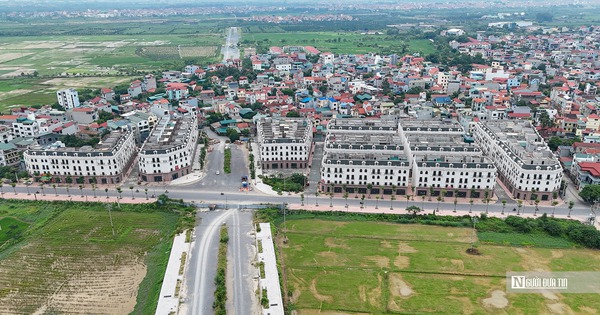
(168, 300)
(190, 178)
(384, 207)
(271, 280)
(75, 197)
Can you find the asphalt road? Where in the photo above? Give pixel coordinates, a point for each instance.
(203, 263)
(230, 50)
(240, 256)
(234, 197)
(224, 182)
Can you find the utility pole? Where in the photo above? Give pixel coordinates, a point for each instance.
(109, 208)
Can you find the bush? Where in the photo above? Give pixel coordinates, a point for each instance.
(227, 161)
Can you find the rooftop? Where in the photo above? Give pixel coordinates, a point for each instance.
(523, 142)
(169, 132)
(284, 129)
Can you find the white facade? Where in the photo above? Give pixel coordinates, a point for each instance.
(168, 152)
(404, 157)
(68, 98)
(25, 127)
(104, 163)
(284, 143)
(525, 164)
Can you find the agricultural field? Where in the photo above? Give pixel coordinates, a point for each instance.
(95, 55)
(359, 267)
(62, 258)
(341, 42)
(91, 61)
(40, 91)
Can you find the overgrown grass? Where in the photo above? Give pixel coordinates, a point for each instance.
(261, 266)
(61, 239)
(292, 183)
(227, 161)
(521, 239)
(378, 267)
(570, 231)
(219, 305)
(11, 228)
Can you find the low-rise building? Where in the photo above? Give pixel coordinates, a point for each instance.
(10, 155)
(404, 157)
(525, 164)
(105, 163)
(284, 143)
(169, 150)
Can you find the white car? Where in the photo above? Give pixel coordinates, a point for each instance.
(218, 173)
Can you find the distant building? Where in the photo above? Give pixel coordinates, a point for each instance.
(68, 98)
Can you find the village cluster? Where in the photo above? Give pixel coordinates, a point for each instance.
(395, 125)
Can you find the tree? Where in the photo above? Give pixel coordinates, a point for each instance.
(414, 210)
(54, 187)
(293, 114)
(106, 191)
(119, 191)
(232, 134)
(571, 204)
(590, 193)
(131, 188)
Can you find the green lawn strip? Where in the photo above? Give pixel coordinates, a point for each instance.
(227, 161)
(219, 305)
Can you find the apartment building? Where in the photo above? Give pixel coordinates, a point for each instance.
(104, 163)
(525, 164)
(424, 158)
(168, 152)
(68, 98)
(284, 143)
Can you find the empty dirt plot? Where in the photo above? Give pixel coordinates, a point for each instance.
(69, 262)
(366, 267)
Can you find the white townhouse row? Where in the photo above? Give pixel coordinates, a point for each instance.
(104, 163)
(525, 164)
(284, 143)
(168, 152)
(404, 157)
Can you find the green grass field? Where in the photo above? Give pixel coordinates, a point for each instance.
(340, 42)
(42, 91)
(384, 268)
(67, 259)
